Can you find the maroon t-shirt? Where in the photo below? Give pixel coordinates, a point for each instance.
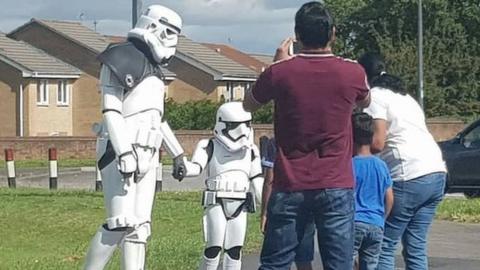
(314, 98)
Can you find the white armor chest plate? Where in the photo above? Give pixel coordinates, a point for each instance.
(229, 171)
(147, 95)
(142, 110)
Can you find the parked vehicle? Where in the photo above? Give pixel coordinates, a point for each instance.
(462, 155)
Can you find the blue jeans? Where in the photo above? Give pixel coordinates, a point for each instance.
(415, 203)
(287, 217)
(305, 250)
(368, 244)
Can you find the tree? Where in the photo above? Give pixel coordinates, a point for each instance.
(451, 52)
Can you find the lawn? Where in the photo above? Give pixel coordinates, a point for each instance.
(460, 210)
(52, 230)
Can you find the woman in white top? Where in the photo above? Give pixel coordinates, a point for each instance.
(415, 162)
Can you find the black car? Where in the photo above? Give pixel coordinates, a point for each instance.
(462, 155)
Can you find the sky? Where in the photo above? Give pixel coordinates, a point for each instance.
(255, 26)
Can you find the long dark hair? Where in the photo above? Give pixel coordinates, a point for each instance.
(375, 67)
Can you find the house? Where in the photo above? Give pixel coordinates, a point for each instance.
(203, 73)
(265, 58)
(201, 68)
(35, 90)
(78, 46)
(195, 73)
(238, 56)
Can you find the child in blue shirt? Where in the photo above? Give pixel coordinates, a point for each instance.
(373, 196)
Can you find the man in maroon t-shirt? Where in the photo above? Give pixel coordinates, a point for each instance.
(315, 93)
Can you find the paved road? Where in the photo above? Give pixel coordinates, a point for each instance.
(451, 246)
(84, 178)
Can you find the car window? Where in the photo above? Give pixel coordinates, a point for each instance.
(472, 138)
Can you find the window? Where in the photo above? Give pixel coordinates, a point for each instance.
(63, 94)
(229, 96)
(42, 92)
(472, 139)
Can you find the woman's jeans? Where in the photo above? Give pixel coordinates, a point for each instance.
(415, 203)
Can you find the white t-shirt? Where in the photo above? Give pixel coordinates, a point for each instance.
(410, 150)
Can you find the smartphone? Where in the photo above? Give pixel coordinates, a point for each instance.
(295, 48)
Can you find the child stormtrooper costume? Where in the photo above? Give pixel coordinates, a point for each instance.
(131, 135)
(233, 175)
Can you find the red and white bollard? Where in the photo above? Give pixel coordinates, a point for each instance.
(10, 164)
(53, 168)
(159, 178)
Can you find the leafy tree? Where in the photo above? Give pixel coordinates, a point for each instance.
(198, 115)
(264, 115)
(191, 114)
(451, 52)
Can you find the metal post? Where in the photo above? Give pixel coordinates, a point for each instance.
(136, 10)
(158, 183)
(420, 54)
(53, 168)
(10, 164)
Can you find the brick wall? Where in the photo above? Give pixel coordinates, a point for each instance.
(84, 147)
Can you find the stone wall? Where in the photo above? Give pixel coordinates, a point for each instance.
(84, 147)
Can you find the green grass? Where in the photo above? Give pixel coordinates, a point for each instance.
(52, 230)
(460, 210)
(64, 163)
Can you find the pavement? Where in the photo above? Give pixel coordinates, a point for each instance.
(83, 178)
(451, 245)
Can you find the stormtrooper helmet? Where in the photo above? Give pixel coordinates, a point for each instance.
(233, 126)
(159, 28)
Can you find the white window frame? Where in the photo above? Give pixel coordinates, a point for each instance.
(229, 91)
(63, 93)
(42, 92)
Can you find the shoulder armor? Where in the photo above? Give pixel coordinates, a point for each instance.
(129, 64)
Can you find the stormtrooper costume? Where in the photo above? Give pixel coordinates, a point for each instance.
(233, 180)
(131, 135)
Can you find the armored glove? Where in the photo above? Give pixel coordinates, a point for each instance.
(179, 169)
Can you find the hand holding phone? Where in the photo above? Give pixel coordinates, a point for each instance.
(282, 52)
(295, 48)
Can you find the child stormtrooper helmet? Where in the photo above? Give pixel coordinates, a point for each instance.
(233, 126)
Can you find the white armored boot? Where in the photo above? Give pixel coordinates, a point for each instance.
(210, 264)
(133, 248)
(133, 255)
(231, 264)
(102, 247)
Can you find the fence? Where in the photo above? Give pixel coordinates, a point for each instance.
(84, 147)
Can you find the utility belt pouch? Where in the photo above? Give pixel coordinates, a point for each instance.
(209, 198)
(250, 203)
(148, 138)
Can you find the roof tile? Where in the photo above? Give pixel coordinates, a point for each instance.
(33, 59)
